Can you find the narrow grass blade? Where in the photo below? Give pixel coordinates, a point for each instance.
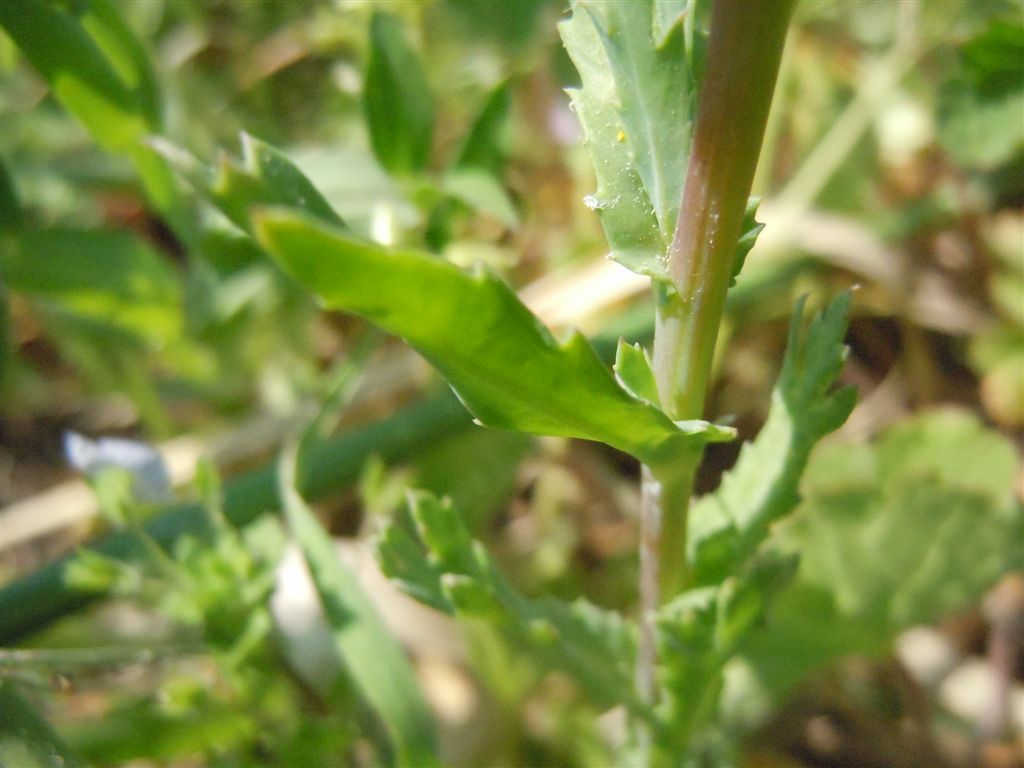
(371, 656)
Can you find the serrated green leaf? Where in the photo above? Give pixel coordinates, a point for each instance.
(471, 596)
(399, 107)
(634, 372)
(482, 146)
(655, 99)
(594, 646)
(371, 655)
(265, 177)
(503, 363)
(690, 673)
(445, 535)
(891, 535)
(621, 201)
(280, 181)
(700, 631)
(750, 229)
(743, 601)
(635, 106)
(402, 560)
(710, 433)
(762, 487)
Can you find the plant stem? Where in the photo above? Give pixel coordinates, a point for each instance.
(744, 51)
(662, 549)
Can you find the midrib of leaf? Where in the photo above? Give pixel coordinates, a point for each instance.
(656, 187)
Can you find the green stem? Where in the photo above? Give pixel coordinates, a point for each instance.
(744, 51)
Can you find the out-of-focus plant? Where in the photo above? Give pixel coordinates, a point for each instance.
(217, 588)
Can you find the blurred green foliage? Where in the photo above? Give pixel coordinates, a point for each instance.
(126, 268)
(891, 535)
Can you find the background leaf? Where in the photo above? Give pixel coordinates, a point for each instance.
(126, 54)
(482, 147)
(398, 104)
(891, 535)
(108, 276)
(77, 70)
(26, 737)
(100, 72)
(979, 114)
(265, 177)
(480, 191)
(914, 526)
(372, 657)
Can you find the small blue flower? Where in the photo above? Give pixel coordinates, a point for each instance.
(151, 481)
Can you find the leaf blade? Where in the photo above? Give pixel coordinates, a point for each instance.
(592, 645)
(620, 199)
(264, 177)
(501, 360)
(727, 525)
(371, 655)
(397, 101)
